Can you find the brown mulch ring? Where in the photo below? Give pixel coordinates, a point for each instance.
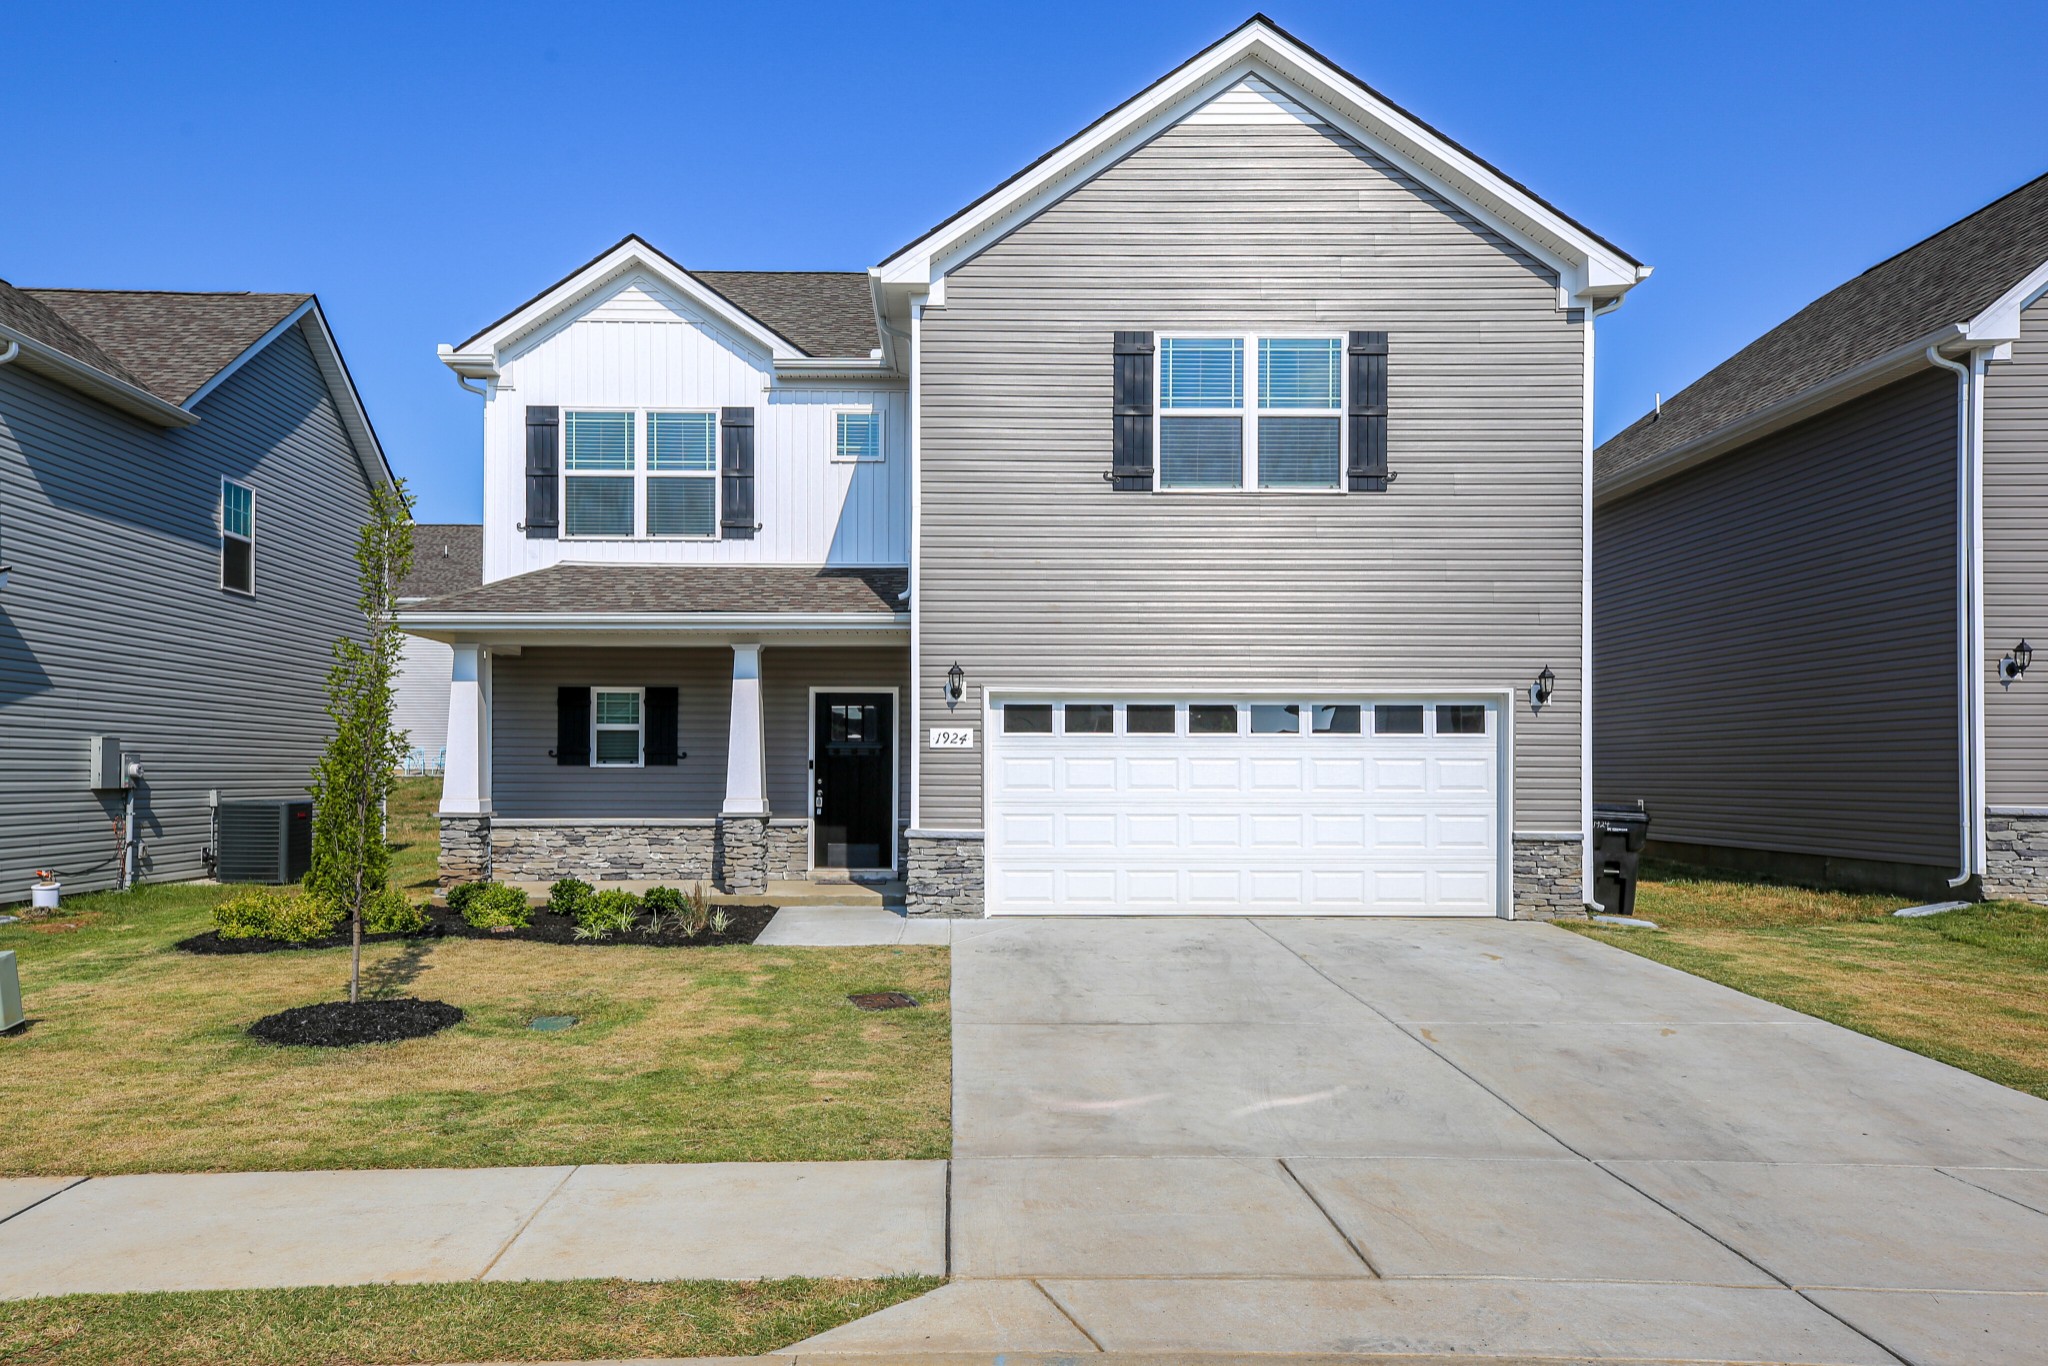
(344, 1024)
(546, 927)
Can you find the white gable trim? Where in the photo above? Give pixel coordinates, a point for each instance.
(1587, 267)
(479, 356)
(2000, 323)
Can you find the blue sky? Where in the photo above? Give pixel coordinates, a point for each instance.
(423, 168)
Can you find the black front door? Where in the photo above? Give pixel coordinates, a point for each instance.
(853, 780)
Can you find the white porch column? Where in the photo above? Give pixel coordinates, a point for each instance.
(746, 761)
(466, 784)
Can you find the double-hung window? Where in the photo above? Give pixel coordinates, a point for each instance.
(616, 723)
(1285, 430)
(857, 435)
(609, 490)
(237, 537)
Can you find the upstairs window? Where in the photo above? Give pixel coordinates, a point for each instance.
(857, 436)
(237, 537)
(609, 491)
(1285, 432)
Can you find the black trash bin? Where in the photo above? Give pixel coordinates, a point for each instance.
(1619, 833)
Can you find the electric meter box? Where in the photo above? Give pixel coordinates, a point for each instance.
(108, 772)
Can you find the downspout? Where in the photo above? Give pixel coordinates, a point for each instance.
(1586, 872)
(13, 350)
(463, 380)
(1969, 606)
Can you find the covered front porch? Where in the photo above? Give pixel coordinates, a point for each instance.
(743, 750)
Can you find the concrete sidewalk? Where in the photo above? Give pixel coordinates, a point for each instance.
(717, 1221)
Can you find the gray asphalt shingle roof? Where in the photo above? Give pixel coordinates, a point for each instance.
(447, 557)
(1948, 278)
(827, 313)
(600, 589)
(173, 343)
(22, 311)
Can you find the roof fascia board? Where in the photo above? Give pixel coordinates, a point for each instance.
(638, 623)
(1808, 402)
(355, 417)
(97, 383)
(484, 348)
(2000, 323)
(220, 375)
(1595, 267)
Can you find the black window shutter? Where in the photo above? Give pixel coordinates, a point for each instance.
(661, 727)
(572, 727)
(1130, 469)
(736, 471)
(1368, 414)
(543, 444)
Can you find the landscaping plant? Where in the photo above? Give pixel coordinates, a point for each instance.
(393, 912)
(608, 913)
(568, 896)
(492, 906)
(351, 861)
(274, 913)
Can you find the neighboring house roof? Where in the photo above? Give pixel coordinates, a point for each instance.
(157, 353)
(447, 557)
(1589, 266)
(174, 342)
(825, 312)
(640, 590)
(1963, 284)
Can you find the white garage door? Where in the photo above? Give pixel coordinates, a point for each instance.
(1268, 807)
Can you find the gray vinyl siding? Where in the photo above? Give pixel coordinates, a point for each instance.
(527, 782)
(1466, 575)
(1774, 638)
(115, 622)
(2016, 565)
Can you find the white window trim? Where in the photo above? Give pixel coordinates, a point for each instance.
(1244, 702)
(226, 536)
(640, 728)
(881, 434)
(643, 453)
(1252, 412)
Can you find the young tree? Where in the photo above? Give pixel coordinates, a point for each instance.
(351, 860)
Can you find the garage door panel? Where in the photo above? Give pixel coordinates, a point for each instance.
(1317, 823)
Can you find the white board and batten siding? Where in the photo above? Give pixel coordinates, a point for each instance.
(635, 344)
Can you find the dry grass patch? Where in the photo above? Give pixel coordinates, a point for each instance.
(1969, 987)
(521, 1321)
(136, 1059)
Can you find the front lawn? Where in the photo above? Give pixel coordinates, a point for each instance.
(1969, 987)
(514, 1321)
(136, 1058)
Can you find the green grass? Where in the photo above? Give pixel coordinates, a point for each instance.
(136, 1057)
(516, 1321)
(1969, 988)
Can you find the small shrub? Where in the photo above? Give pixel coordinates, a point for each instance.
(663, 900)
(460, 894)
(274, 913)
(696, 911)
(608, 913)
(569, 896)
(391, 912)
(495, 906)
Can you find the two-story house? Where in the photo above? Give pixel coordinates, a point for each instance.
(1195, 522)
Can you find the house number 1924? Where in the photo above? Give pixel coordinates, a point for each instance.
(952, 737)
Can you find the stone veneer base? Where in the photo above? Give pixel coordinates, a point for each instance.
(1547, 880)
(943, 874)
(2016, 858)
(602, 850)
(465, 849)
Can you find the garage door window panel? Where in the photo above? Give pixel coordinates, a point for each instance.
(1271, 718)
(1460, 718)
(1338, 718)
(1149, 718)
(1089, 718)
(1211, 718)
(1398, 719)
(1031, 718)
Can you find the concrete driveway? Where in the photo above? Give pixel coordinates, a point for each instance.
(1369, 1136)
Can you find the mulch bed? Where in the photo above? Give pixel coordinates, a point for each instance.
(341, 1024)
(546, 928)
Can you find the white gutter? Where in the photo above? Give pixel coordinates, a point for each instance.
(584, 623)
(1969, 605)
(13, 350)
(48, 359)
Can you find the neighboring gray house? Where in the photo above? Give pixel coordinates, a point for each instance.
(1195, 523)
(1813, 571)
(181, 481)
(447, 558)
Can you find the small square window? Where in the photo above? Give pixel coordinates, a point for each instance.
(1212, 718)
(1404, 719)
(1460, 718)
(1090, 718)
(1276, 719)
(858, 436)
(1033, 718)
(1148, 718)
(1338, 719)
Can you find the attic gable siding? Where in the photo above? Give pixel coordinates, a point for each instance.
(634, 344)
(114, 622)
(1466, 574)
(2016, 563)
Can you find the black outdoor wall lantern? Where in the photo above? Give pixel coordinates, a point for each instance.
(1540, 690)
(956, 685)
(2014, 666)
